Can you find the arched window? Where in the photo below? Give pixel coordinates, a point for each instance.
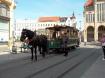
(90, 34)
(101, 30)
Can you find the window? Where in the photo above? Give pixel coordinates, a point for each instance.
(103, 12)
(48, 24)
(8, 13)
(98, 12)
(3, 10)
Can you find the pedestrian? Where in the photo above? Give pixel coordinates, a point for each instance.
(103, 45)
(64, 44)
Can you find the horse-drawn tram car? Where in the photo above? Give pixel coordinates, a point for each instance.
(55, 34)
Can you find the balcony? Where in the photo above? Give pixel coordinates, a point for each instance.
(4, 18)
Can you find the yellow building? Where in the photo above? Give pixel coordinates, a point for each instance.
(6, 20)
(94, 20)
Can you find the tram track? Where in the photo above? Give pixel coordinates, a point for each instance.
(48, 56)
(19, 63)
(24, 61)
(39, 72)
(41, 66)
(76, 65)
(52, 66)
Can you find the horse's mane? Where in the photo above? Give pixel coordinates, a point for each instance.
(29, 32)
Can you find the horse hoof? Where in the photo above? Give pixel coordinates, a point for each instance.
(36, 59)
(31, 58)
(65, 55)
(43, 56)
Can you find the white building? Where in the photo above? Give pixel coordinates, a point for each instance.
(23, 24)
(71, 21)
(6, 20)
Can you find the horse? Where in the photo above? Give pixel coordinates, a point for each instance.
(34, 41)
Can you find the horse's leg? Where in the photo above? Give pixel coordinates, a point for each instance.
(39, 47)
(31, 53)
(46, 49)
(43, 51)
(35, 53)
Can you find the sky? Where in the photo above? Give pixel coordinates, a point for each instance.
(33, 9)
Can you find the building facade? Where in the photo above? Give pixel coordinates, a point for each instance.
(94, 20)
(6, 21)
(71, 21)
(23, 24)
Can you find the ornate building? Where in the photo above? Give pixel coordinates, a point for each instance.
(71, 21)
(94, 20)
(6, 20)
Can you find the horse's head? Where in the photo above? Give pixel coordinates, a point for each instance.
(23, 35)
(26, 34)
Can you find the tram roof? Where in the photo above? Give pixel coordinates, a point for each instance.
(58, 27)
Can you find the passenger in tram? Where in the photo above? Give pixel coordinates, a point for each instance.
(64, 44)
(54, 35)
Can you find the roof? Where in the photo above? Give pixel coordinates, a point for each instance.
(49, 19)
(52, 19)
(63, 19)
(89, 3)
(73, 16)
(58, 28)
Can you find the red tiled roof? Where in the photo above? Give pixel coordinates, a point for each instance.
(89, 3)
(49, 19)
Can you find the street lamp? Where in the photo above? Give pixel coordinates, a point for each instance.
(14, 47)
(25, 21)
(80, 33)
(80, 25)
